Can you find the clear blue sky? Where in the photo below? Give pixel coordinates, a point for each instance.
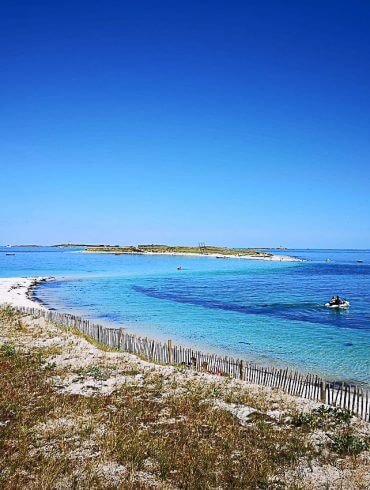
(234, 123)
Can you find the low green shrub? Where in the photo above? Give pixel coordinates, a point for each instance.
(8, 313)
(323, 418)
(94, 372)
(346, 444)
(7, 349)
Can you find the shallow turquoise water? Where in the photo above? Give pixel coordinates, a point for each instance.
(270, 312)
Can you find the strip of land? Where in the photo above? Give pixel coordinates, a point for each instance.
(74, 414)
(201, 251)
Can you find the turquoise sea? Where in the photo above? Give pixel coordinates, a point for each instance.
(269, 312)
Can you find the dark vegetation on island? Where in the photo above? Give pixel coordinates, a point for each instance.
(180, 249)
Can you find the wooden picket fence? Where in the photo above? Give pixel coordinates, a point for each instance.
(339, 394)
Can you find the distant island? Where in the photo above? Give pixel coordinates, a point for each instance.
(24, 246)
(200, 250)
(84, 245)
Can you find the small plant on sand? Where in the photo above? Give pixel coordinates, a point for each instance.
(94, 372)
(49, 366)
(9, 314)
(323, 418)
(8, 350)
(131, 372)
(349, 444)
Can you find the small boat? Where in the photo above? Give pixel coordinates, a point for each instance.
(117, 254)
(360, 261)
(9, 254)
(343, 304)
(179, 268)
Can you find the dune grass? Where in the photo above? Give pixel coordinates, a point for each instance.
(158, 429)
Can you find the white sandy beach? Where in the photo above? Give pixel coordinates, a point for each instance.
(15, 291)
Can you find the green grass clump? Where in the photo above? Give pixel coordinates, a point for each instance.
(9, 314)
(322, 418)
(7, 349)
(349, 444)
(94, 372)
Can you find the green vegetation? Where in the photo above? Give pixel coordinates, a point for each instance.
(7, 349)
(205, 250)
(93, 372)
(8, 314)
(336, 422)
(349, 444)
(323, 418)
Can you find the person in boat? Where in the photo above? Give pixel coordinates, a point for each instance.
(335, 300)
